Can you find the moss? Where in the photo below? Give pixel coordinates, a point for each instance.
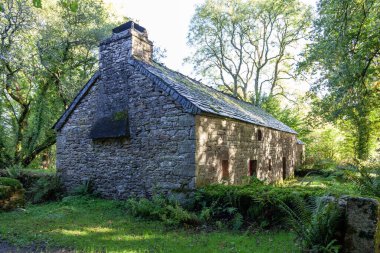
(11, 182)
(11, 194)
(5, 191)
(122, 115)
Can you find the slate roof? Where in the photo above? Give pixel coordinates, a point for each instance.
(300, 142)
(195, 97)
(198, 98)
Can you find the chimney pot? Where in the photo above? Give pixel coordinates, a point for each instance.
(129, 25)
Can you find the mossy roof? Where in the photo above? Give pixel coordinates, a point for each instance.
(194, 96)
(208, 100)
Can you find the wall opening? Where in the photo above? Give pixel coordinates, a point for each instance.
(270, 165)
(252, 168)
(284, 167)
(225, 171)
(259, 135)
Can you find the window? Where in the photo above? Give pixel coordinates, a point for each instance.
(225, 172)
(252, 169)
(259, 135)
(270, 165)
(283, 167)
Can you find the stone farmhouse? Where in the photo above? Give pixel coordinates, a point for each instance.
(137, 126)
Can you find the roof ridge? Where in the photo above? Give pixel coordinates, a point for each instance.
(222, 92)
(221, 103)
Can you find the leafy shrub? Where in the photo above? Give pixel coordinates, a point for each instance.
(315, 225)
(316, 167)
(11, 194)
(45, 189)
(256, 203)
(368, 179)
(84, 189)
(163, 209)
(14, 171)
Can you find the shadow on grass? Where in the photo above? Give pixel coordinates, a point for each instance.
(95, 225)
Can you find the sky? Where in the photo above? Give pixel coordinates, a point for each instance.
(167, 23)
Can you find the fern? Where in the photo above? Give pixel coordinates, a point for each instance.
(368, 180)
(85, 189)
(315, 224)
(46, 189)
(14, 171)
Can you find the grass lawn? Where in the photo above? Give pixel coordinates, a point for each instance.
(95, 225)
(331, 183)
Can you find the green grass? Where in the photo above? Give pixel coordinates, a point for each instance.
(331, 183)
(94, 225)
(50, 171)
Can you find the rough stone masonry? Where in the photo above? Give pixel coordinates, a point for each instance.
(138, 127)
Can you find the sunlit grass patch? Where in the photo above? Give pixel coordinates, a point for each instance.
(93, 225)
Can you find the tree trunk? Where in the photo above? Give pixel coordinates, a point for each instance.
(363, 137)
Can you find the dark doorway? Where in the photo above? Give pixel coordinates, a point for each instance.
(284, 167)
(253, 168)
(225, 172)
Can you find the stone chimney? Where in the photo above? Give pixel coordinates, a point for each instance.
(127, 40)
(115, 53)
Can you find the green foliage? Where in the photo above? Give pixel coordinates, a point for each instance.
(290, 116)
(163, 209)
(362, 178)
(257, 203)
(315, 225)
(84, 189)
(326, 146)
(37, 3)
(45, 189)
(11, 194)
(40, 185)
(86, 224)
(243, 46)
(14, 184)
(368, 178)
(344, 52)
(47, 56)
(71, 5)
(14, 171)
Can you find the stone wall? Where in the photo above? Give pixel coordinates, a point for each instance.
(158, 155)
(166, 147)
(219, 139)
(362, 231)
(300, 154)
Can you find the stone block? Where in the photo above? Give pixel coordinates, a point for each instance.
(362, 225)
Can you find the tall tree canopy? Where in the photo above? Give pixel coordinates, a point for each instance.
(247, 47)
(45, 57)
(344, 53)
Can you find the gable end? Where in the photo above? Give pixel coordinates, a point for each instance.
(183, 101)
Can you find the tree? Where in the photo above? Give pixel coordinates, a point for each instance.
(45, 57)
(345, 53)
(294, 117)
(243, 46)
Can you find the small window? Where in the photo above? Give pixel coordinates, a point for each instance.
(252, 168)
(259, 135)
(284, 168)
(270, 165)
(225, 172)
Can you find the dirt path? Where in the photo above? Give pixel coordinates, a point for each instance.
(8, 248)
